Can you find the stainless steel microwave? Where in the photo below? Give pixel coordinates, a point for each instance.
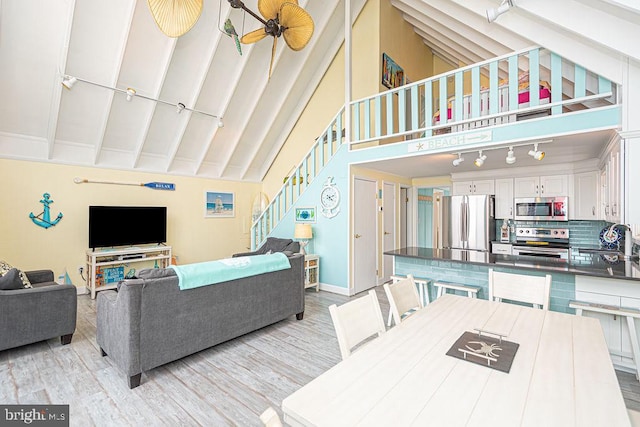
(541, 209)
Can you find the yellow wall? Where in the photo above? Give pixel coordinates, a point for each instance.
(407, 49)
(193, 237)
(378, 21)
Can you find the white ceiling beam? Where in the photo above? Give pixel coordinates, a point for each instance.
(445, 56)
(442, 43)
(249, 112)
(310, 85)
(54, 111)
(309, 53)
(124, 37)
(453, 27)
(571, 46)
(602, 26)
(193, 98)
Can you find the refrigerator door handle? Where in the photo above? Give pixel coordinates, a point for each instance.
(465, 222)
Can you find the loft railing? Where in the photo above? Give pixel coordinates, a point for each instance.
(488, 93)
(322, 151)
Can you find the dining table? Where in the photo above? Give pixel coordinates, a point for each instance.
(561, 373)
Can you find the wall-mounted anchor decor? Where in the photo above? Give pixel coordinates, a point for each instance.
(153, 185)
(43, 219)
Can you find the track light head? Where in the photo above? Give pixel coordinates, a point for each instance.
(538, 155)
(494, 12)
(220, 123)
(179, 107)
(459, 160)
(511, 157)
(480, 160)
(130, 93)
(69, 81)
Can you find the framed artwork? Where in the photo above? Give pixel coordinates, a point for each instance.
(392, 73)
(307, 214)
(219, 204)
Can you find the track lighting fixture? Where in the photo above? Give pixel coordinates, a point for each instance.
(130, 93)
(480, 160)
(511, 157)
(69, 81)
(538, 155)
(459, 160)
(494, 12)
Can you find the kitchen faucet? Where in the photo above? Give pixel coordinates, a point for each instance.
(628, 239)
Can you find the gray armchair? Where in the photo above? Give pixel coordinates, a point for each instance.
(46, 311)
(274, 244)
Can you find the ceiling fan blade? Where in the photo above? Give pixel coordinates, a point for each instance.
(175, 17)
(273, 54)
(298, 25)
(254, 36)
(270, 8)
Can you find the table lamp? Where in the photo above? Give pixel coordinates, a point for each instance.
(303, 233)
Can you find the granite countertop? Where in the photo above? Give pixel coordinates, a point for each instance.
(587, 264)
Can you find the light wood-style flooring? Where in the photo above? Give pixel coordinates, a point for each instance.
(230, 384)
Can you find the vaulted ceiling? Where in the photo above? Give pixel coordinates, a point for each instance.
(117, 44)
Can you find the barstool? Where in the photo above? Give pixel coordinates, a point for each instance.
(443, 286)
(423, 290)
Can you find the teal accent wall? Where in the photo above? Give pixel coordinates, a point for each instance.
(563, 286)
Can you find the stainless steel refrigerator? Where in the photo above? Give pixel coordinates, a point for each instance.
(467, 222)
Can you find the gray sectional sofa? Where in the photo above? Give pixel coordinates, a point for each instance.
(149, 321)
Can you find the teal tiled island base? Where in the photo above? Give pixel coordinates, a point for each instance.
(476, 274)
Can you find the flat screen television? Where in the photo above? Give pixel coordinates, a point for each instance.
(126, 225)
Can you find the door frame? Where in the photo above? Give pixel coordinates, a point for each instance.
(382, 274)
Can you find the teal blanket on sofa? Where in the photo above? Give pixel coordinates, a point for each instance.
(211, 272)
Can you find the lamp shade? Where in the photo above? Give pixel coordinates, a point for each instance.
(303, 231)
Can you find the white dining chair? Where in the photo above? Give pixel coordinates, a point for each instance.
(520, 287)
(403, 298)
(357, 320)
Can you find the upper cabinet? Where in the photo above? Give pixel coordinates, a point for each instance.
(611, 186)
(583, 203)
(504, 198)
(541, 186)
(462, 188)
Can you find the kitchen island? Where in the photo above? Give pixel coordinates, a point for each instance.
(471, 267)
(590, 277)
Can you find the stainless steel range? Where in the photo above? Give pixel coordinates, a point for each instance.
(542, 242)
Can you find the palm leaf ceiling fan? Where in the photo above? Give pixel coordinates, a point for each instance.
(281, 18)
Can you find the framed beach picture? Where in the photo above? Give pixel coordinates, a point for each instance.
(219, 204)
(307, 214)
(392, 73)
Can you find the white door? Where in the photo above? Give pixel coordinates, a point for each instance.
(388, 228)
(364, 235)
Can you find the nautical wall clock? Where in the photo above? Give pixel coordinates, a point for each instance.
(330, 198)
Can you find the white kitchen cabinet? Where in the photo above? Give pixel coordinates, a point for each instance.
(584, 204)
(462, 188)
(611, 186)
(504, 198)
(541, 186)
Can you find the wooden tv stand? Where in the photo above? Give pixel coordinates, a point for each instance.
(120, 257)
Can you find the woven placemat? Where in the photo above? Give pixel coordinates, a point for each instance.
(484, 350)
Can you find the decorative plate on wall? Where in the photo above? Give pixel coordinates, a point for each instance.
(610, 238)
